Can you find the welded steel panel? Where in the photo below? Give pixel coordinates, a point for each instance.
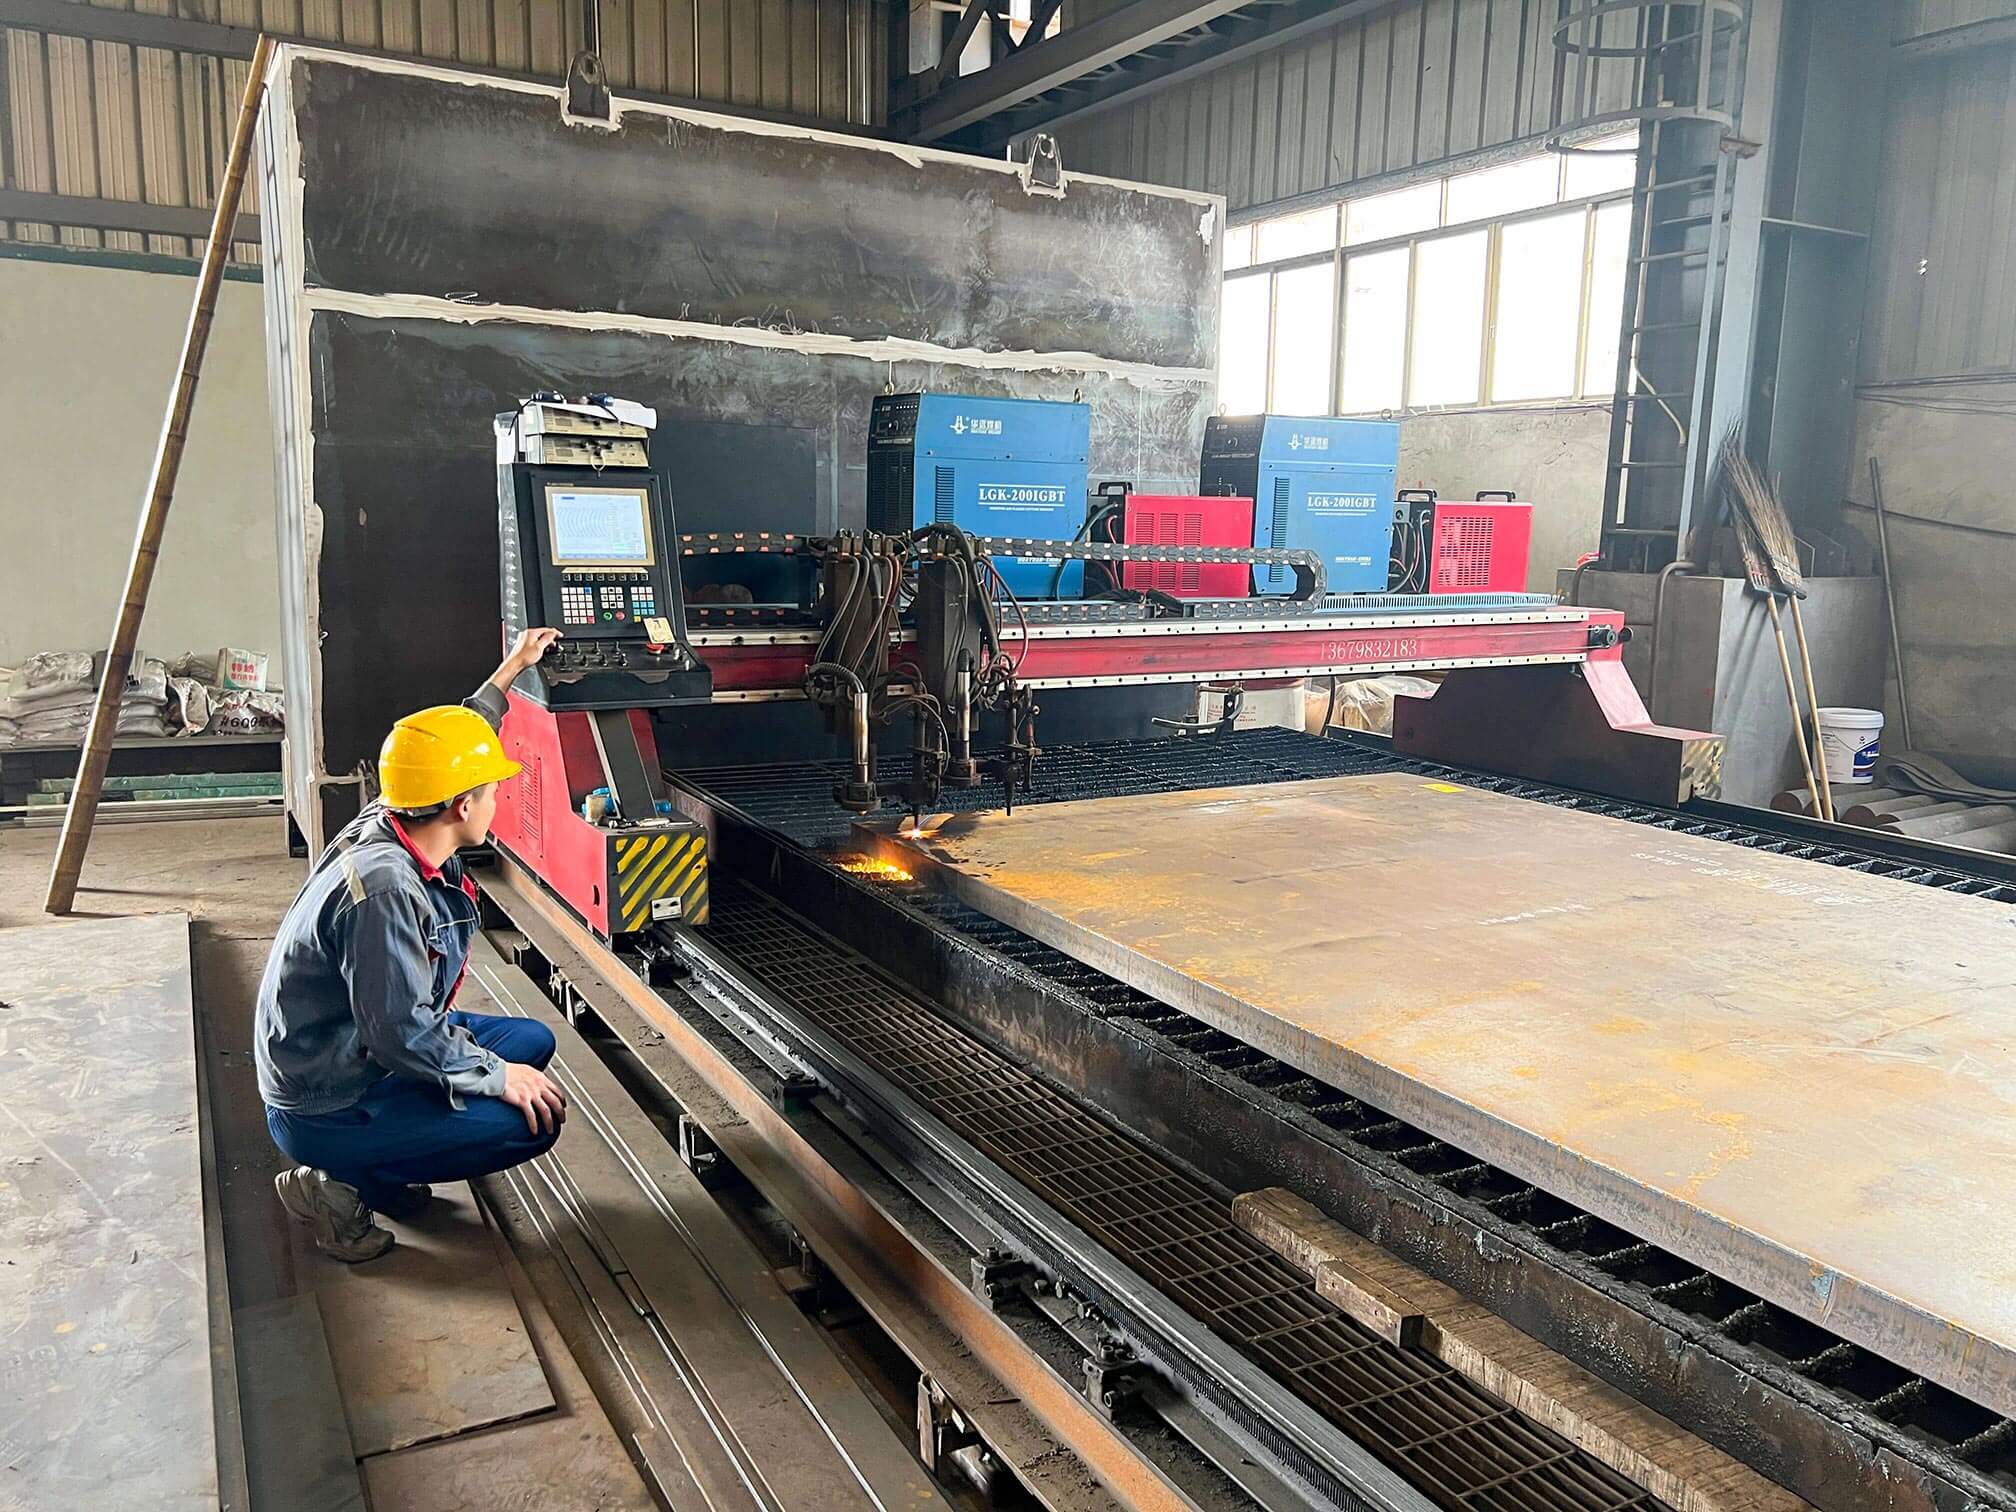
(441, 245)
(406, 499)
(412, 188)
(1798, 1078)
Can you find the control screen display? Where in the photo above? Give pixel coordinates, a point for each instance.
(599, 526)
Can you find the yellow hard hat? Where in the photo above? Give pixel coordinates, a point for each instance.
(440, 754)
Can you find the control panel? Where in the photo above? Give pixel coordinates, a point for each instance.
(607, 598)
(593, 552)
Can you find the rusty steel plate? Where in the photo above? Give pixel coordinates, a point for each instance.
(1800, 1078)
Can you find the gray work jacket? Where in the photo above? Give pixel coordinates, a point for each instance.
(364, 967)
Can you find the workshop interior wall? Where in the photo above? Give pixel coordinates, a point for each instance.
(1553, 456)
(440, 246)
(86, 355)
(1937, 397)
(1946, 487)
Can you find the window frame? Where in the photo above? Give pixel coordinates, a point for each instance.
(1583, 393)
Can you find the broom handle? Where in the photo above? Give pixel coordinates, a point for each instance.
(1813, 700)
(1792, 693)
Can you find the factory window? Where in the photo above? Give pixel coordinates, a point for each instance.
(1609, 251)
(1304, 329)
(1375, 330)
(1400, 212)
(1539, 306)
(1491, 193)
(1293, 235)
(1446, 346)
(1502, 285)
(1242, 347)
(1238, 248)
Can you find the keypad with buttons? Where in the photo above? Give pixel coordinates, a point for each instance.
(613, 600)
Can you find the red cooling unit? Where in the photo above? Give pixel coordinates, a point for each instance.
(1189, 520)
(1480, 547)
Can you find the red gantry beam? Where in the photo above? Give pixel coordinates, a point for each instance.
(759, 664)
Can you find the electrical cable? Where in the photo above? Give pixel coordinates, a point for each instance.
(839, 616)
(928, 706)
(1016, 605)
(1102, 512)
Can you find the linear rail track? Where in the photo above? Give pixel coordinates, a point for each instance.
(1969, 1448)
(1461, 1447)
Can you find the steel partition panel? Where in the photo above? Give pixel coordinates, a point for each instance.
(507, 251)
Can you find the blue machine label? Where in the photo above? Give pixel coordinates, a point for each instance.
(1342, 503)
(1031, 496)
(1297, 441)
(975, 425)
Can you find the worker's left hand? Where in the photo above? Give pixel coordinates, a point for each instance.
(536, 1095)
(529, 647)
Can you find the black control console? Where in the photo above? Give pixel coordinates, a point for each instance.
(592, 551)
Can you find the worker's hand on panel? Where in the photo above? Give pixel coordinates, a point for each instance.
(536, 1095)
(530, 646)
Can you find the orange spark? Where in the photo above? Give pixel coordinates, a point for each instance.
(872, 866)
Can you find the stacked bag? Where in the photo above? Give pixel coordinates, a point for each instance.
(50, 696)
(50, 700)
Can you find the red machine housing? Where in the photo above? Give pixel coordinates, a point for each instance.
(1189, 520)
(1480, 547)
(608, 875)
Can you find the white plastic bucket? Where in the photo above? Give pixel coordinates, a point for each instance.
(1848, 741)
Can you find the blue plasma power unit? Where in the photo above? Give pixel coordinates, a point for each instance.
(1320, 484)
(993, 467)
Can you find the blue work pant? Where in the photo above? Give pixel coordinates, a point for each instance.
(403, 1132)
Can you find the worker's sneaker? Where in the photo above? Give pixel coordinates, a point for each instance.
(342, 1224)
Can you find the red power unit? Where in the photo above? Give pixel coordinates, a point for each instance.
(1189, 520)
(1480, 547)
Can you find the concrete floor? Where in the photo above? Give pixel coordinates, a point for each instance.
(232, 875)
(235, 879)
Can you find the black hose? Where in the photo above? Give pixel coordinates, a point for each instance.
(1084, 532)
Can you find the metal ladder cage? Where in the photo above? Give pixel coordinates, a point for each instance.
(1687, 58)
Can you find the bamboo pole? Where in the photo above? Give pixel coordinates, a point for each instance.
(1813, 698)
(97, 752)
(1798, 719)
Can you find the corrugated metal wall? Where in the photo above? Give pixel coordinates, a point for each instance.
(1915, 18)
(1942, 273)
(107, 120)
(1414, 85)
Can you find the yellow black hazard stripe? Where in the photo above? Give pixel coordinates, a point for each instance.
(657, 866)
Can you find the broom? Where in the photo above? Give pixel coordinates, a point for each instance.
(1771, 564)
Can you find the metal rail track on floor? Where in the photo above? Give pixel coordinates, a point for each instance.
(1084, 1195)
(1016, 1378)
(1821, 1397)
